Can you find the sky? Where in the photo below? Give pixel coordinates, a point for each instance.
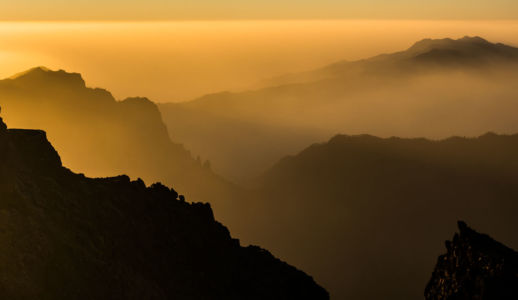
(255, 9)
(172, 50)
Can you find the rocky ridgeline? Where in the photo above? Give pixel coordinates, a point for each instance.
(475, 267)
(67, 236)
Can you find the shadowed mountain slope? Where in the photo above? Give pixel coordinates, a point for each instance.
(436, 88)
(67, 236)
(475, 267)
(100, 136)
(357, 208)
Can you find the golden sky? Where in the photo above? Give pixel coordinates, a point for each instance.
(255, 9)
(175, 61)
(172, 50)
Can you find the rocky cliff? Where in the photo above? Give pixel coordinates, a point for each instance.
(101, 136)
(67, 236)
(474, 267)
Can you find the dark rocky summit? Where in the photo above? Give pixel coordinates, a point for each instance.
(475, 267)
(67, 236)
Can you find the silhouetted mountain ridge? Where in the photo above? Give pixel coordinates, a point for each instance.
(65, 235)
(466, 52)
(465, 45)
(435, 88)
(377, 205)
(474, 267)
(44, 78)
(100, 136)
(456, 149)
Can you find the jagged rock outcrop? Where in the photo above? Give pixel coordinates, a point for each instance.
(67, 236)
(475, 267)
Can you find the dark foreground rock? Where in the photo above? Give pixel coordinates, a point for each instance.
(66, 236)
(475, 267)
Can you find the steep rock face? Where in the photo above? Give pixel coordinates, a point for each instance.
(66, 236)
(100, 136)
(475, 267)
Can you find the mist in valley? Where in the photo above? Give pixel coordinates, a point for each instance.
(349, 200)
(404, 94)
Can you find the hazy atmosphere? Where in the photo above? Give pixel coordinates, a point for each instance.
(179, 61)
(258, 150)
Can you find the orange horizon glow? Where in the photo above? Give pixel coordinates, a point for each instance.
(182, 60)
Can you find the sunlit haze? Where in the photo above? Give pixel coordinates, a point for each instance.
(145, 146)
(176, 61)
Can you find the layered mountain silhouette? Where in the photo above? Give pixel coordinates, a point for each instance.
(67, 236)
(99, 136)
(357, 208)
(474, 267)
(436, 89)
(466, 52)
(356, 212)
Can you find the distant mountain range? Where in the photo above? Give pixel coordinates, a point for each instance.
(67, 236)
(436, 88)
(466, 52)
(423, 56)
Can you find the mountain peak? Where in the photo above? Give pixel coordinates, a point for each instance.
(467, 51)
(139, 101)
(448, 43)
(38, 69)
(42, 76)
(473, 39)
(474, 267)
